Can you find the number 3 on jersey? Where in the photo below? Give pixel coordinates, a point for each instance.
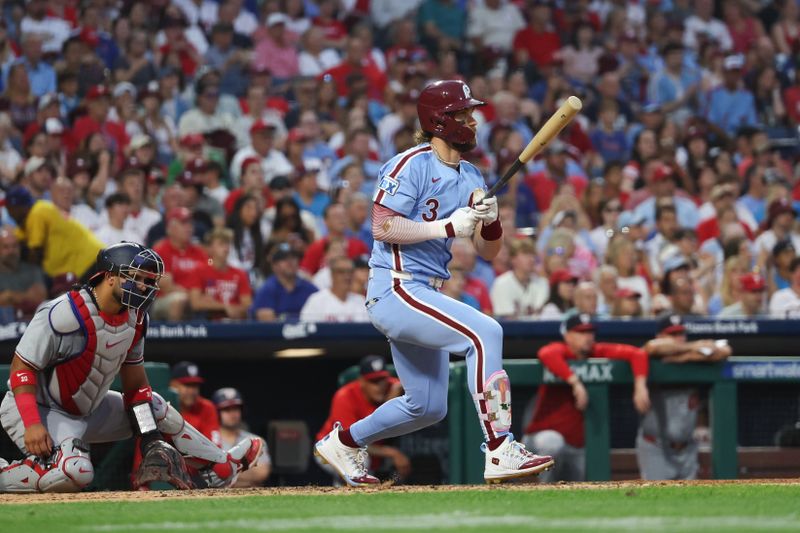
(433, 210)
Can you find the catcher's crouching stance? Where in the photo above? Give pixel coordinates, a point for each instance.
(59, 398)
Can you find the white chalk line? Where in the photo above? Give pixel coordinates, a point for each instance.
(462, 520)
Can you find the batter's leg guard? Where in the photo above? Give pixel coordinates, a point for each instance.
(496, 396)
(69, 469)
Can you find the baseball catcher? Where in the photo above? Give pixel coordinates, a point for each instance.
(59, 399)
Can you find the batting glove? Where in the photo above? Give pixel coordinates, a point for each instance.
(460, 224)
(486, 211)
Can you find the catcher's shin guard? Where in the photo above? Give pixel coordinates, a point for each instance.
(184, 436)
(69, 469)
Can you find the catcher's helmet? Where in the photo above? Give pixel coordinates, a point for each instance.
(436, 105)
(140, 269)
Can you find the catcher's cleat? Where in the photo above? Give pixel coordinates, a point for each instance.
(349, 463)
(512, 460)
(162, 462)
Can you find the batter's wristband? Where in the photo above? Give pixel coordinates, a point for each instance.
(493, 231)
(28, 410)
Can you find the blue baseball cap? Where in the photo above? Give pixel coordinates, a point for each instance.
(19, 196)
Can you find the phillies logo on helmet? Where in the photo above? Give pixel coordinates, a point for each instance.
(467, 91)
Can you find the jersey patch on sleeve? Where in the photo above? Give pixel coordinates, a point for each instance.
(389, 185)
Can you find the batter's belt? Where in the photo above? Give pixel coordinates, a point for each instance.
(432, 281)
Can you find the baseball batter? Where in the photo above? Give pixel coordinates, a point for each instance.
(424, 199)
(59, 399)
(665, 446)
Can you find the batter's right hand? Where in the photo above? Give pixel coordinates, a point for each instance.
(38, 441)
(462, 221)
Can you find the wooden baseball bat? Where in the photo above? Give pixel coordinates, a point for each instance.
(547, 133)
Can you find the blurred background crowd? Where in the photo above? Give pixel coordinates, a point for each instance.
(242, 139)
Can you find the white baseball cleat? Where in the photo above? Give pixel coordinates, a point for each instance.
(511, 459)
(349, 463)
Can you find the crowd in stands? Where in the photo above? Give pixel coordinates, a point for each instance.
(242, 140)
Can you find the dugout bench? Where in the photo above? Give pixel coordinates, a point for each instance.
(112, 467)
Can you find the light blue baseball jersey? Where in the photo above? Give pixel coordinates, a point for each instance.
(418, 186)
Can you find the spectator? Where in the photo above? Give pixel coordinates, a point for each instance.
(480, 275)
(336, 224)
(192, 180)
(37, 177)
(185, 380)
(275, 51)
(608, 139)
(621, 254)
(663, 185)
(605, 277)
(181, 258)
(562, 295)
(50, 237)
(141, 218)
(665, 446)
(315, 58)
(586, 297)
(338, 303)
(307, 194)
(283, 294)
(731, 106)
(359, 398)
(681, 295)
(359, 223)
(254, 107)
(785, 303)
(17, 99)
(751, 303)
(454, 287)
(538, 42)
(520, 293)
(666, 233)
(779, 226)
(355, 64)
(41, 75)
(113, 231)
(702, 23)
(262, 147)
(285, 217)
(545, 183)
(10, 158)
(783, 253)
(38, 21)
(581, 57)
(492, 26)
(626, 304)
(208, 116)
(599, 236)
(21, 284)
(230, 405)
(97, 121)
(557, 423)
(216, 289)
(230, 61)
(247, 250)
(675, 87)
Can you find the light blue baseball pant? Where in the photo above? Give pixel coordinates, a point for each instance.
(423, 327)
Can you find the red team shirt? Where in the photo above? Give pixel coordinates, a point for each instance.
(181, 264)
(555, 406)
(349, 405)
(314, 257)
(204, 418)
(226, 286)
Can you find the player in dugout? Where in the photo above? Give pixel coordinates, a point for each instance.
(556, 427)
(358, 399)
(666, 447)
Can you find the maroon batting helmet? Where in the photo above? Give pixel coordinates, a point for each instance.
(436, 105)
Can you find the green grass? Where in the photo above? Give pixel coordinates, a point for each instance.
(671, 508)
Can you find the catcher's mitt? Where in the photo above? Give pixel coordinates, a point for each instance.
(162, 462)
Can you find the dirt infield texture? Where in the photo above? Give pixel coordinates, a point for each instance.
(386, 487)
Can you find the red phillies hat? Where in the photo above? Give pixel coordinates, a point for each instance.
(193, 139)
(179, 213)
(752, 282)
(663, 172)
(249, 161)
(624, 292)
(261, 125)
(562, 275)
(97, 91)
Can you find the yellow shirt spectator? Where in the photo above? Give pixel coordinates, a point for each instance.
(67, 245)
